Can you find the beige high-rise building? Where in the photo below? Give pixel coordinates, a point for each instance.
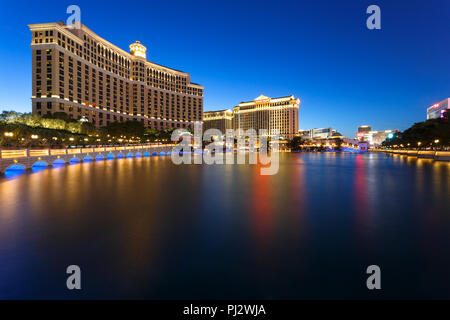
(267, 113)
(81, 74)
(220, 119)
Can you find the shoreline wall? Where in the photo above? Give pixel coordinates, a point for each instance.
(423, 154)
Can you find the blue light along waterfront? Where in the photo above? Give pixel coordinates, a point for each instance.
(146, 228)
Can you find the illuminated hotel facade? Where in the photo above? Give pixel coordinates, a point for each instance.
(266, 113)
(220, 119)
(437, 110)
(374, 138)
(81, 74)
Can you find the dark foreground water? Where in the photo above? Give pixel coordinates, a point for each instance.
(146, 228)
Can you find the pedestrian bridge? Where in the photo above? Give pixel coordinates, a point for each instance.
(23, 159)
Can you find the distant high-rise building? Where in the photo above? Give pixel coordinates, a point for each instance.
(220, 119)
(377, 137)
(316, 133)
(321, 133)
(266, 113)
(437, 110)
(362, 130)
(304, 134)
(81, 74)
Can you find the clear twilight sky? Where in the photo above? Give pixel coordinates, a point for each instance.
(318, 50)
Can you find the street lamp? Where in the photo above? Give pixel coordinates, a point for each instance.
(9, 134)
(436, 141)
(34, 136)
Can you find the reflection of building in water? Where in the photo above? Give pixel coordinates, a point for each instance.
(220, 119)
(437, 110)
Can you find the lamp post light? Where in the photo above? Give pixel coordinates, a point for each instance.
(436, 141)
(9, 134)
(34, 136)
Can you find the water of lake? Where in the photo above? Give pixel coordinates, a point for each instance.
(146, 228)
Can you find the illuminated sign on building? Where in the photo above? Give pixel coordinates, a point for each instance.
(434, 106)
(437, 110)
(262, 99)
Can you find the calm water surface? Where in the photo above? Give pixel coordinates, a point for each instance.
(146, 228)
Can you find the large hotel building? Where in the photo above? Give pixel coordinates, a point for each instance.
(81, 74)
(262, 113)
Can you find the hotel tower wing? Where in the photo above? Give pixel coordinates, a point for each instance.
(268, 113)
(81, 74)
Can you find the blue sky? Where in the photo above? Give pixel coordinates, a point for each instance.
(319, 51)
